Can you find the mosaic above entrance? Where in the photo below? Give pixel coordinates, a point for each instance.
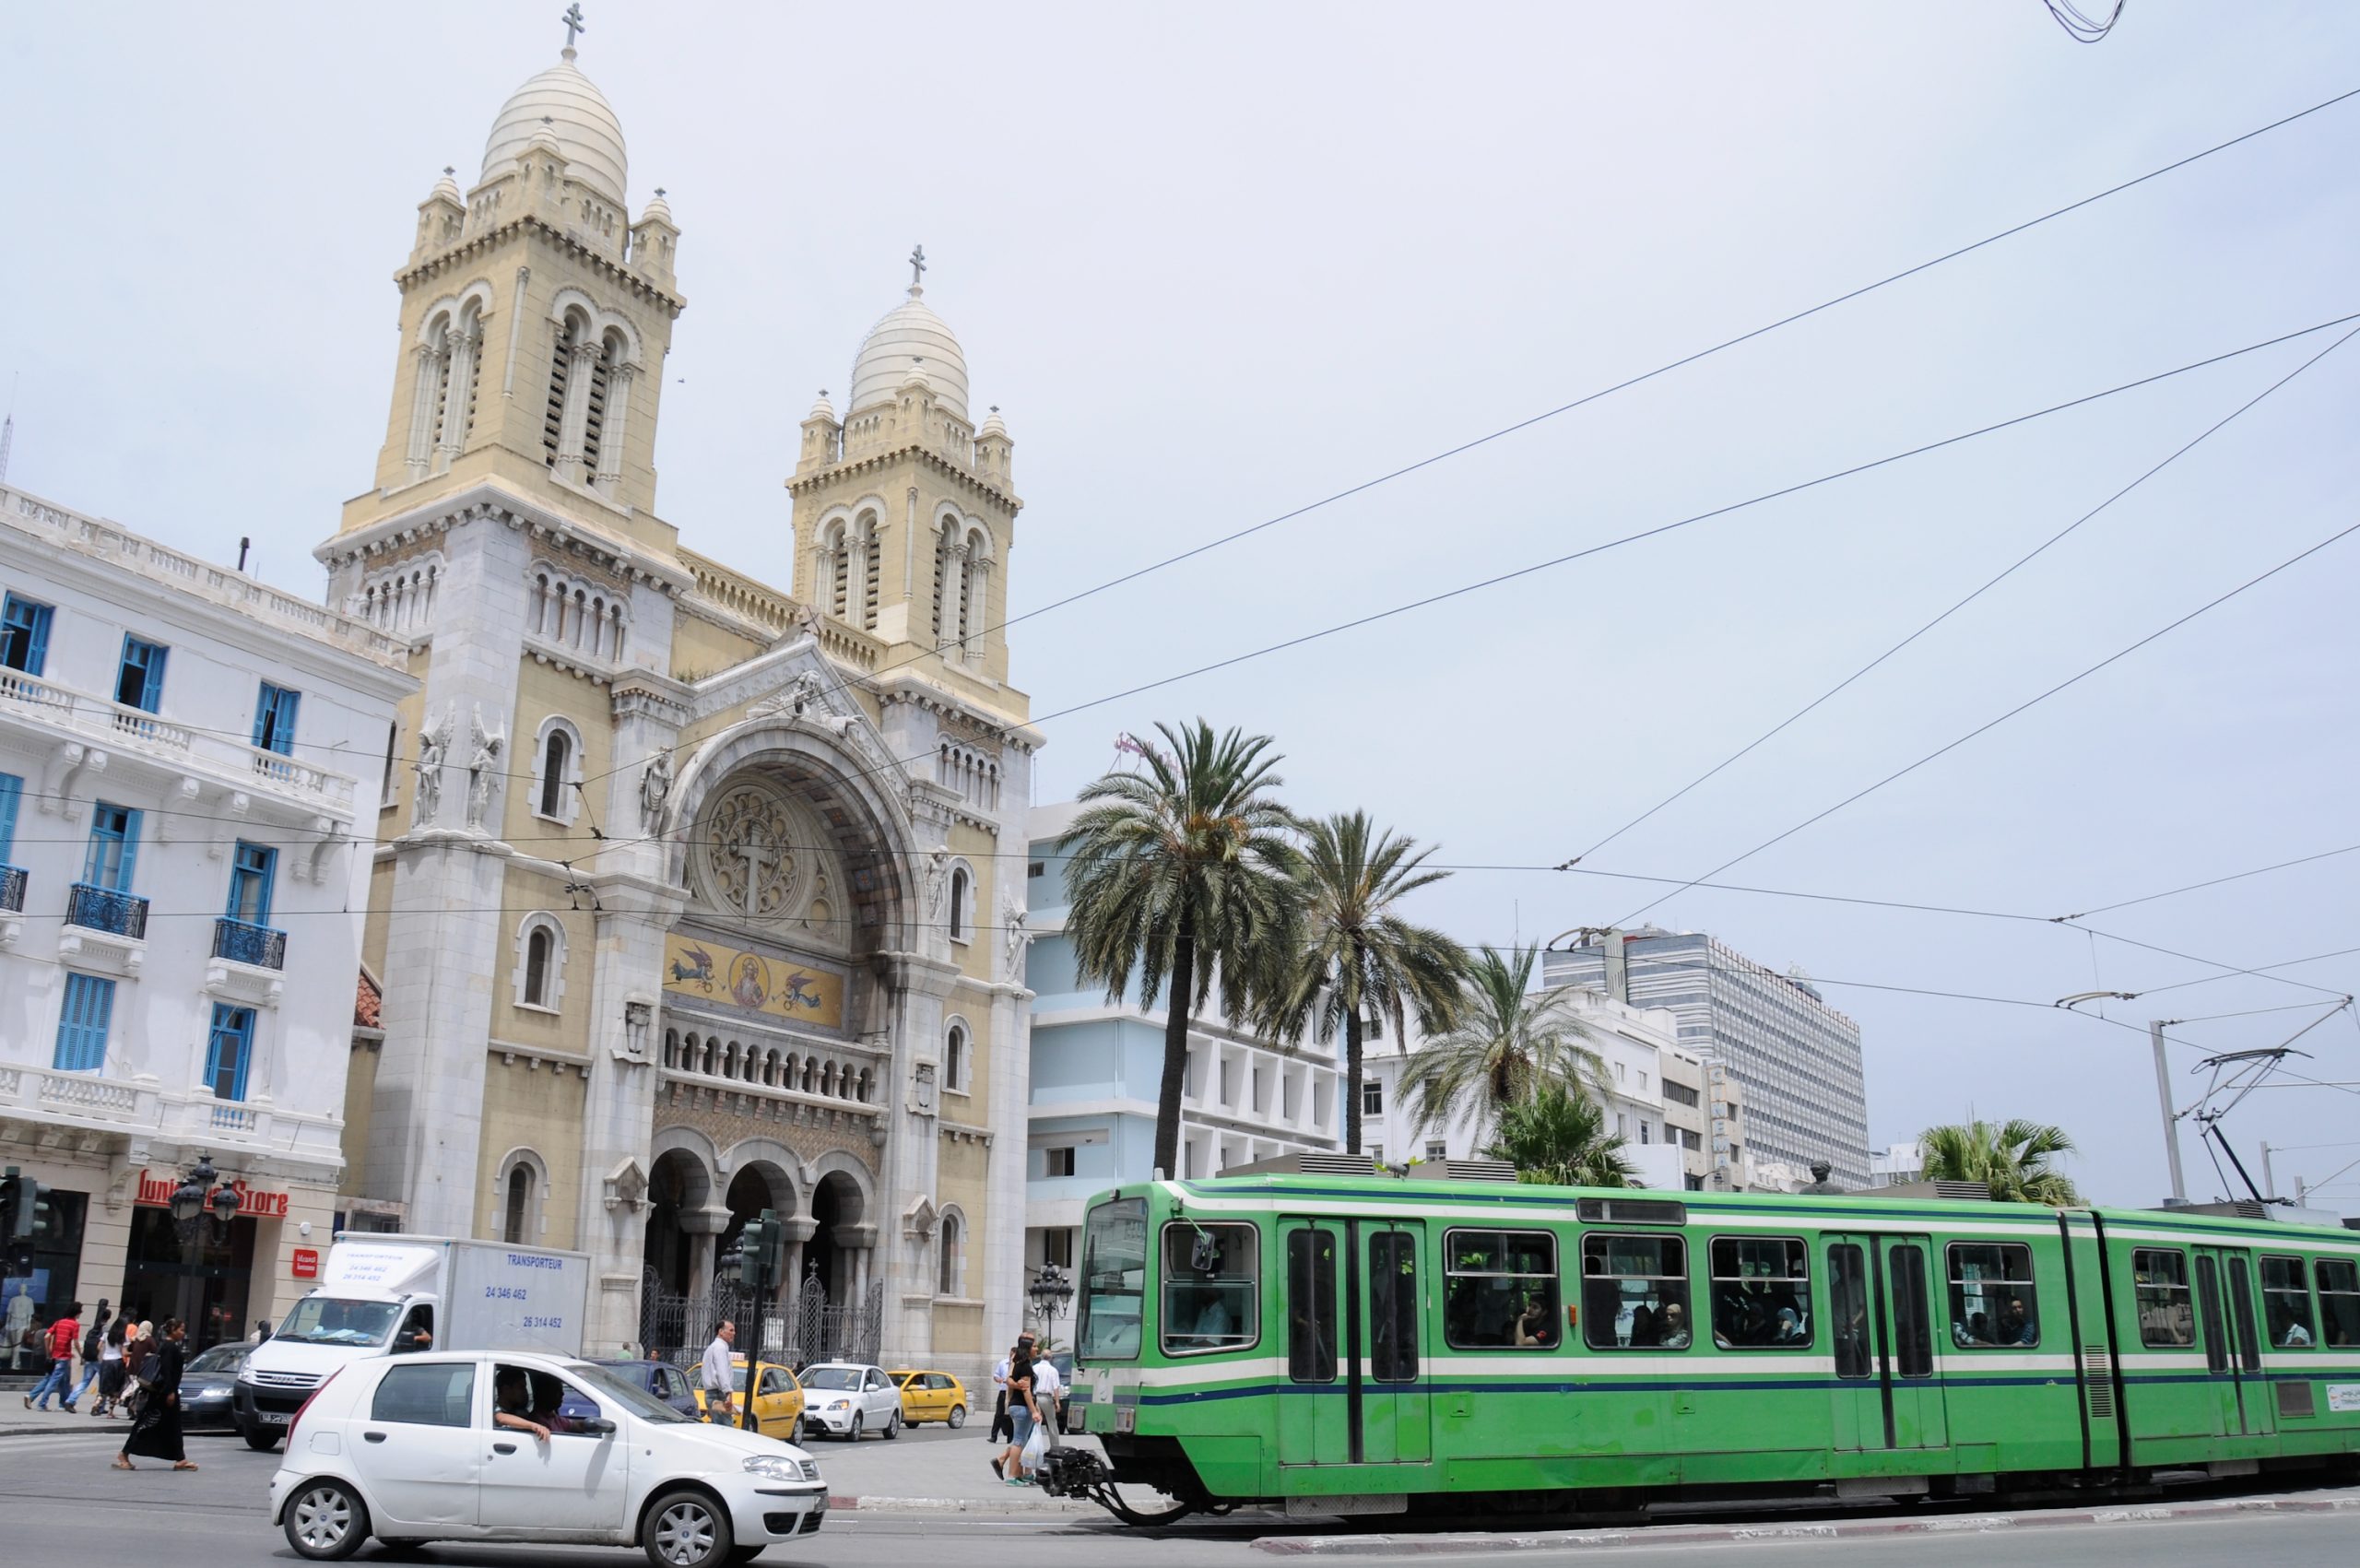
(796, 990)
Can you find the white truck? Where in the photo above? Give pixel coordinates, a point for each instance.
(387, 1294)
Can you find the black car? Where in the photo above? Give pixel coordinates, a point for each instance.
(206, 1384)
(662, 1379)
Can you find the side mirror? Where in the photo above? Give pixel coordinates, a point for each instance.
(596, 1426)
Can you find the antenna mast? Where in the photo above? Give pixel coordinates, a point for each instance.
(8, 431)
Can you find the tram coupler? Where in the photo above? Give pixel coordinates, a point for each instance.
(1073, 1472)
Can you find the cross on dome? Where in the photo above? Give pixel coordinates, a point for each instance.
(917, 267)
(574, 25)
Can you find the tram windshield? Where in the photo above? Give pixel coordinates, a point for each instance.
(1114, 1282)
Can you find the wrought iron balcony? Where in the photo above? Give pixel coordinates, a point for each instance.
(103, 909)
(257, 945)
(12, 888)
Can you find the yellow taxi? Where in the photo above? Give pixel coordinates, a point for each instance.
(931, 1397)
(778, 1400)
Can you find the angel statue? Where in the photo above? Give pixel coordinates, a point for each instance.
(654, 789)
(433, 747)
(483, 768)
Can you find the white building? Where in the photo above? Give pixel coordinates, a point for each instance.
(1635, 1046)
(1097, 1070)
(189, 767)
(1896, 1164)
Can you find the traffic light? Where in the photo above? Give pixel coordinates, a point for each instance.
(758, 1257)
(8, 1180)
(25, 1213)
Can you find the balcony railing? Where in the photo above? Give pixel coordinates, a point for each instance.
(12, 888)
(242, 943)
(103, 909)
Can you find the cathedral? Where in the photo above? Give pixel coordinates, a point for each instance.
(693, 896)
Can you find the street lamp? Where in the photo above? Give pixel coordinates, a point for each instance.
(1051, 1292)
(194, 1197)
(2163, 1079)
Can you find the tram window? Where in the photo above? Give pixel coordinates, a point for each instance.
(1499, 1290)
(1209, 1287)
(2159, 1284)
(2208, 1302)
(1311, 1306)
(1760, 1293)
(2286, 1305)
(1993, 1304)
(2241, 1313)
(2339, 1282)
(1913, 1324)
(1634, 1293)
(1114, 1276)
(1847, 1299)
(1393, 1306)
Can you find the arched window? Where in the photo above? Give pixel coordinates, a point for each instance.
(835, 571)
(554, 757)
(954, 1057)
(516, 1229)
(959, 904)
(541, 961)
(946, 578)
(952, 1262)
(871, 571)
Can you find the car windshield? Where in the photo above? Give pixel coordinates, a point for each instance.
(638, 1401)
(331, 1320)
(832, 1377)
(221, 1358)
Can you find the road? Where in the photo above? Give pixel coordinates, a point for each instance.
(63, 1504)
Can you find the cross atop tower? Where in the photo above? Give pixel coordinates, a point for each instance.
(917, 269)
(574, 25)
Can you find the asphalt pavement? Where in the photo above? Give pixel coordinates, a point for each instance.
(62, 1501)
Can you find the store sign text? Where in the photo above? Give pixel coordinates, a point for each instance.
(253, 1202)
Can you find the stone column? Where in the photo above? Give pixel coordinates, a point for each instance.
(617, 426)
(703, 1227)
(454, 435)
(421, 410)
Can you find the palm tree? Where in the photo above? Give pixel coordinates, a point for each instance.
(1359, 959)
(1511, 1042)
(2013, 1159)
(1178, 874)
(1559, 1135)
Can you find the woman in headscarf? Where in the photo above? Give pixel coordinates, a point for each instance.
(156, 1434)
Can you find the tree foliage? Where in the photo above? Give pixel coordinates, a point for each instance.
(2013, 1159)
(1180, 879)
(1559, 1135)
(1359, 959)
(1510, 1042)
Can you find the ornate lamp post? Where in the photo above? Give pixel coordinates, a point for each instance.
(194, 1198)
(1052, 1293)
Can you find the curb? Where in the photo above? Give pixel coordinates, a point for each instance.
(958, 1505)
(1464, 1544)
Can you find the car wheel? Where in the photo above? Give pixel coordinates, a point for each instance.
(261, 1441)
(326, 1522)
(893, 1426)
(688, 1529)
(795, 1433)
(852, 1432)
(957, 1416)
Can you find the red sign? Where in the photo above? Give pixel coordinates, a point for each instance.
(253, 1202)
(306, 1263)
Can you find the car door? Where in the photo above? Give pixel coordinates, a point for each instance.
(572, 1482)
(879, 1399)
(416, 1448)
(775, 1404)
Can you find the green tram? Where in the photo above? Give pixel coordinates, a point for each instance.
(1336, 1344)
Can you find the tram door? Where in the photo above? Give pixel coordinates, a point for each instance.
(1312, 1428)
(1881, 1325)
(1384, 1341)
(2224, 1311)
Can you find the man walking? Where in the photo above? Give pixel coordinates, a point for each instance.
(720, 1377)
(1048, 1390)
(93, 1338)
(64, 1335)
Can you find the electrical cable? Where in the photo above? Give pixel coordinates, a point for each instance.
(1990, 583)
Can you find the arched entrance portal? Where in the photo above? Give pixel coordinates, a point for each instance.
(677, 1186)
(835, 1206)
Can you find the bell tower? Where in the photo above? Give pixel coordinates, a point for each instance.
(905, 508)
(535, 315)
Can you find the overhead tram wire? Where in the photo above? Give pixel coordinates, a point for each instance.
(1992, 724)
(1605, 391)
(2211, 882)
(2004, 574)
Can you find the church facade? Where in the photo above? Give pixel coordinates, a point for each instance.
(693, 895)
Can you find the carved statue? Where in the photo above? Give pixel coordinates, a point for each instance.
(655, 790)
(1017, 937)
(433, 749)
(483, 768)
(937, 878)
(807, 617)
(922, 1088)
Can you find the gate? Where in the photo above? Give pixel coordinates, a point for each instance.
(674, 1328)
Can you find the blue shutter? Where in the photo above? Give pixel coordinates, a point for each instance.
(82, 1023)
(274, 719)
(130, 850)
(231, 1047)
(24, 635)
(11, 788)
(251, 879)
(145, 691)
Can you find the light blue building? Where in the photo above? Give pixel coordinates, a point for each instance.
(1097, 1065)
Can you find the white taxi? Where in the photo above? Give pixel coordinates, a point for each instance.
(846, 1398)
(514, 1447)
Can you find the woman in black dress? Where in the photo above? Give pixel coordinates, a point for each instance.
(156, 1434)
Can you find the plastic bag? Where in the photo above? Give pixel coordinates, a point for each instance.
(1036, 1447)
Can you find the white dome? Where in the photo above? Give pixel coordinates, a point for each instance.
(910, 338)
(580, 121)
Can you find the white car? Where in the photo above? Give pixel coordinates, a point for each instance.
(410, 1448)
(846, 1398)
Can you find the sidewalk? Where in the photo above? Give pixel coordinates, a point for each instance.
(15, 1421)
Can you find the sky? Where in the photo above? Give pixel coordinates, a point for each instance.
(1218, 262)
